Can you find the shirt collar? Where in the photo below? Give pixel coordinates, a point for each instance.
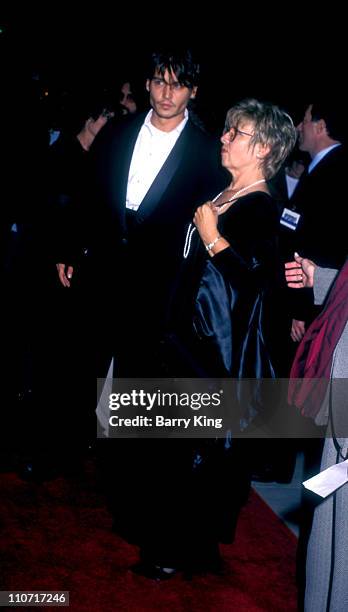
(178, 129)
(319, 156)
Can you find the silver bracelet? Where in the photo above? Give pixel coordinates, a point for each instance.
(211, 244)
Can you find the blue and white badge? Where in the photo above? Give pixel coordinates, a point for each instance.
(290, 218)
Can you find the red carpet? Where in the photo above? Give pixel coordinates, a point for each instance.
(56, 536)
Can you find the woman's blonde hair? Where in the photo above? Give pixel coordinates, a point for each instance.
(271, 126)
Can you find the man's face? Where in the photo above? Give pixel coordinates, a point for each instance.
(127, 101)
(307, 131)
(167, 97)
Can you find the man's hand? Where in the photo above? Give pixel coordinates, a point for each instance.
(299, 273)
(65, 273)
(297, 330)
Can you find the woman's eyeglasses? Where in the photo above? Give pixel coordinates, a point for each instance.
(233, 132)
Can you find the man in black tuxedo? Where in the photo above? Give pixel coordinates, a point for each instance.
(152, 171)
(319, 233)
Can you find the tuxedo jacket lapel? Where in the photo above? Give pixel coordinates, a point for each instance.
(119, 170)
(155, 193)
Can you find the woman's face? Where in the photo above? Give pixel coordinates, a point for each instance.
(237, 152)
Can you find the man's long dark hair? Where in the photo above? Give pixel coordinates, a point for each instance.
(181, 63)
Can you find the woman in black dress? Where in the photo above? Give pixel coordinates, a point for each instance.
(223, 318)
(217, 329)
(231, 251)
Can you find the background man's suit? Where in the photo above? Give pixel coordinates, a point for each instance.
(321, 234)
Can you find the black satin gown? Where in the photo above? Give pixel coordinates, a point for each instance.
(220, 326)
(217, 328)
(221, 318)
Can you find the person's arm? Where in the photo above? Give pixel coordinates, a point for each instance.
(299, 273)
(303, 272)
(240, 265)
(323, 280)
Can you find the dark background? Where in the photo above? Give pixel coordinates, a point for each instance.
(280, 54)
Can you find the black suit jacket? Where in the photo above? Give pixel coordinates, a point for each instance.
(321, 234)
(319, 197)
(142, 252)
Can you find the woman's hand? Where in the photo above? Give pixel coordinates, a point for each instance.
(205, 220)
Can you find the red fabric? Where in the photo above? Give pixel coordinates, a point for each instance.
(313, 359)
(58, 536)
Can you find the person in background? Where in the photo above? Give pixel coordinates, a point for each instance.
(127, 99)
(70, 186)
(69, 356)
(326, 564)
(128, 94)
(317, 229)
(296, 164)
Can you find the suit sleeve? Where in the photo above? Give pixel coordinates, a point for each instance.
(323, 280)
